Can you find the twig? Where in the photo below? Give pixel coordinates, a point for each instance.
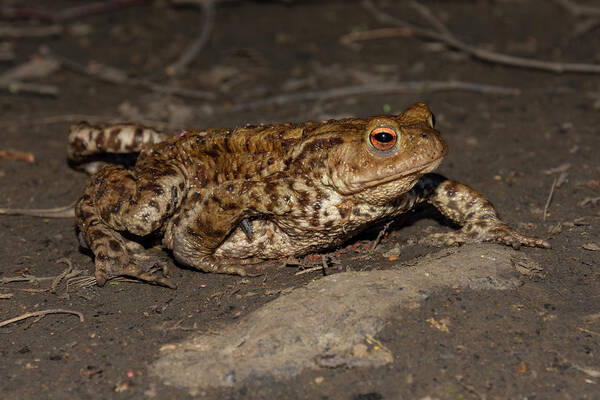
(208, 10)
(452, 41)
(6, 295)
(589, 332)
(62, 275)
(16, 155)
(26, 278)
(42, 314)
(57, 212)
(311, 269)
(70, 118)
(67, 13)
(15, 32)
(29, 88)
(578, 10)
(380, 235)
(549, 199)
(115, 76)
(378, 88)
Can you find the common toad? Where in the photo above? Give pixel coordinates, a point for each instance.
(221, 198)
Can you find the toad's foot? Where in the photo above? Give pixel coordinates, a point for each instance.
(145, 267)
(230, 266)
(489, 231)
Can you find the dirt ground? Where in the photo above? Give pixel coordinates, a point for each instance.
(540, 341)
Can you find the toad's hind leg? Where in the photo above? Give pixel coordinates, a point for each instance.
(117, 200)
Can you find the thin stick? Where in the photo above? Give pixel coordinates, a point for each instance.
(378, 88)
(15, 32)
(549, 199)
(58, 212)
(26, 278)
(380, 235)
(68, 13)
(66, 118)
(6, 295)
(42, 314)
(208, 11)
(452, 41)
(306, 271)
(578, 10)
(120, 78)
(29, 88)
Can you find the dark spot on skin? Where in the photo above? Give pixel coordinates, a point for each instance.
(303, 198)
(216, 199)
(117, 207)
(229, 188)
(181, 186)
(205, 203)
(452, 204)
(101, 256)
(105, 214)
(96, 234)
(343, 212)
(356, 211)
(191, 232)
(273, 197)
(195, 197)
(472, 235)
(212, 153)
(451, 189)
(481, 224)
(229, 206)
(138, 135)
(100, 141)
(80, 145)
(176, 220)
(114, 142)
(328, 224)
(326, 213)
(154, 204)
(114, 245)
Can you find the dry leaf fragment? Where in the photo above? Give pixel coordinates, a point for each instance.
(16, 155)
(441, 325)
(37, 67)
(591, 247)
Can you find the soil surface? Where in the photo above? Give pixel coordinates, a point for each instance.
(538, 341)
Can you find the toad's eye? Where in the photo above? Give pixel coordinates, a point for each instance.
(383, 138)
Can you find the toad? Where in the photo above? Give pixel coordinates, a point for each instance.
(221, 198)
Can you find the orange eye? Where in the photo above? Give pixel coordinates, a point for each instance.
(383, 138)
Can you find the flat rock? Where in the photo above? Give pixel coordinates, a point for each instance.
(330, 322)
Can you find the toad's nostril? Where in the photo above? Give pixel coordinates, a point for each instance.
(424, 135)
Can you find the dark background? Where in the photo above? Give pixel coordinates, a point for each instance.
(540, 341)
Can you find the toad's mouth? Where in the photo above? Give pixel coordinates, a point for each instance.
(419, 170)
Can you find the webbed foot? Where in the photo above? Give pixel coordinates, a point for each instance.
(489, 231)
(145, 267)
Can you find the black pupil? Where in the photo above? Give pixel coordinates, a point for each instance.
(383, 137)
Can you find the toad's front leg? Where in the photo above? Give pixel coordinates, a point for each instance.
(468, 208)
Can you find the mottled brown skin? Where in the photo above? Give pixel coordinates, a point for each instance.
(222, 198)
